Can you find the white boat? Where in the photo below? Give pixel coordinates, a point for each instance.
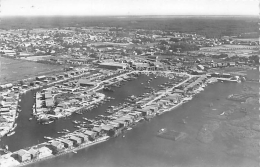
(10, 134)
(129, 128)
(15, 125)
(45, 123)
(48, 138)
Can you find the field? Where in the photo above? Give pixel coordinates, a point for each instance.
(211, 26)
(14, 70)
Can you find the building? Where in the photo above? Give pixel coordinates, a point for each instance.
(140, 66)
(40, 78)
(8, 160)
(200, 67)
(49, 103)
(85, 82)
(145, 112)
(57, 146)
(98, 130)
(113, 65)
(136, 115)
(109, 130)
(33, 152)
(232, 64)
(23, 155)
(76, 140)
(67, 143)
(92, 135)
(120, 122)
(84, 138)
(44, 152)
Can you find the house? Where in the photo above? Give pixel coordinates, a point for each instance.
(120, 122)
(44, 152)
(226, 75)
(23, 155)
(232, 64)
(91, 134)
(84, 138)
(76, 140)
(145, 112)
(33, 152)
(49, 102)
(40, 78)
(85, 82)
(136, 115)
(108, 129)
(98, 130)
(67, 143)
(57, 146)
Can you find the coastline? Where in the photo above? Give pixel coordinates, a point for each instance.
(158, 97)
(65, 151)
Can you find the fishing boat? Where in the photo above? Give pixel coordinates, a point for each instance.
(15, 125)
(77, 112)
(30, 119)
(48, 122)
(48, 138)
(161, 130)
(66, 130)
(129, 128)
(10, 134)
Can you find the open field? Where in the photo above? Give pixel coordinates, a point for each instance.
(14, 70)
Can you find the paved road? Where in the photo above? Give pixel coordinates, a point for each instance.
(167, 91)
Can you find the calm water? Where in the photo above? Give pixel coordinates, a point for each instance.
(32, 133)
(140, 147)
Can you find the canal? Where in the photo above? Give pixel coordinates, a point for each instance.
(29, 133)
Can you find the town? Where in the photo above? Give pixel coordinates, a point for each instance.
(95, 60)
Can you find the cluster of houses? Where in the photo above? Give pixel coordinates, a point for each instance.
(9, 107)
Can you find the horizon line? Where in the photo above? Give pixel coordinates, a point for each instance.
(205, 15)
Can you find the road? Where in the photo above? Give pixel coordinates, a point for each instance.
(167, 91)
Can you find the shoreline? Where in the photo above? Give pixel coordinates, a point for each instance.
(167, 108)
(64, 152)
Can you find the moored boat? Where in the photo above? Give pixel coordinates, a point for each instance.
(10, 134)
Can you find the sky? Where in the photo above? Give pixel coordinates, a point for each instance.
(129, 7)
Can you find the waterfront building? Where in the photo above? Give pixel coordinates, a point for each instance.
(67, 143)
(84, 138)
(136, 114)
(92, 135)
(128, 118)
(44, 152)
(114, 124)
(76, 140)
(33, 152)
(57, 146)
(145, 112)
(98, 130)
(121, 123)
(153, 107)
(8, 160)
(23, 155)
(110, 130)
